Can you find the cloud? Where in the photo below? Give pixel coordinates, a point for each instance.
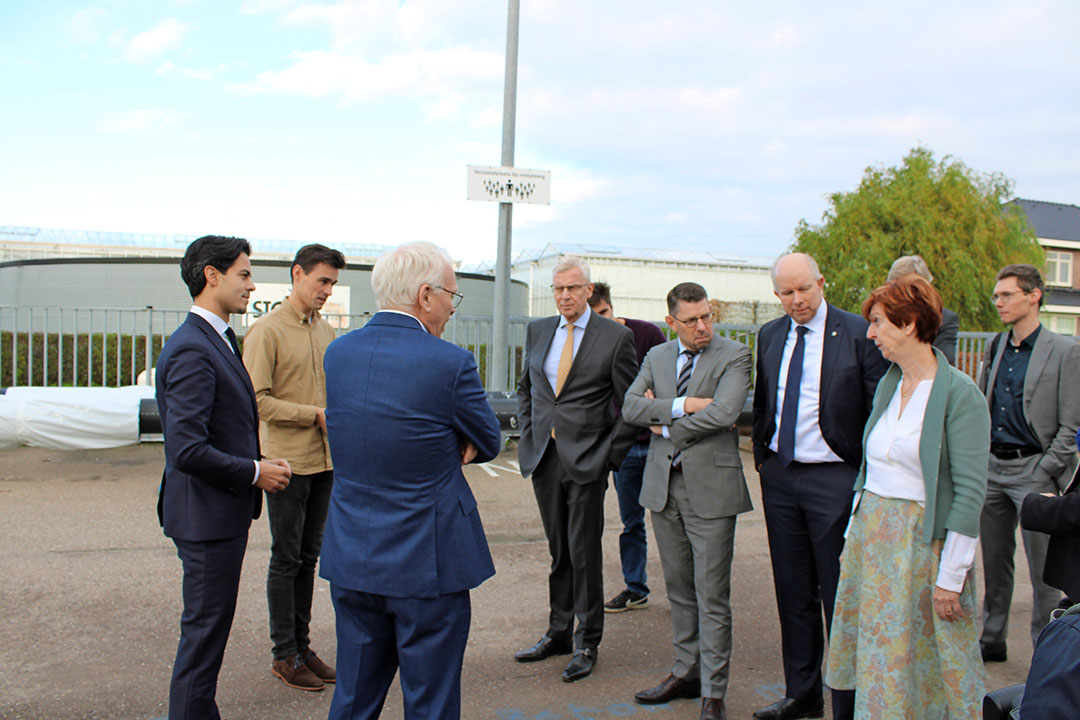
(164, 36)
(168, 68)
(353, 77)
(84, 25)
(139, 121)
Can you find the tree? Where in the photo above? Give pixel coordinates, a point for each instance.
(953, 216)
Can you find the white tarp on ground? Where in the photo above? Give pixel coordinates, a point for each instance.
(71, 418)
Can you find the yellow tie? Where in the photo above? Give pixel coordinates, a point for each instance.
(565, 360)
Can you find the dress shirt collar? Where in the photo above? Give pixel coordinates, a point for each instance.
(683, 348)
(816, 324)
(402, 312)
(219, 325)
(1029, 341)
(295, 312)
(580, 323)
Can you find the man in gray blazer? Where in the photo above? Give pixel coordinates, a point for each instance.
(690, 392)
(578, 366)
(1030, 380)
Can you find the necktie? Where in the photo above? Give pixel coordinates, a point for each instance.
(681, 385)
(231, 337)
(789, 414)
(565, 360)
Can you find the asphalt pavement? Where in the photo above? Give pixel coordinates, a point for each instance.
(90, 607)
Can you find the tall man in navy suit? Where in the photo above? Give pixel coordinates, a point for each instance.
(403, 543)
(578, 367)
(816, 376)
(211, 487)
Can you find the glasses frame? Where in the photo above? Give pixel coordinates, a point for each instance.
(692, 322)
(458, 297)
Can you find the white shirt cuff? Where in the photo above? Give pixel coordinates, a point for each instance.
(957, 557)
(677, 406)
(664, 432)
(256, 478)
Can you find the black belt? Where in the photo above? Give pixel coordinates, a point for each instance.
(1002, 452)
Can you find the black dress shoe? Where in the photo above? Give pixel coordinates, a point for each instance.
(712, 709)
(994, 652)
(791, 709)
(670, 689)
(543, 649)
(580, 665)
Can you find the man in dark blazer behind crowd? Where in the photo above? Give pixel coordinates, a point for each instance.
(578, 367)
(807, 450)
(211, 487)
(404, 544)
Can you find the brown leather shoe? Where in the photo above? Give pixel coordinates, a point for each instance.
(671, 688)
(712, 709)
(294, 673)
(315, 664)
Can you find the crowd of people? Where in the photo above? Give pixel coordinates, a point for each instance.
(882, 469)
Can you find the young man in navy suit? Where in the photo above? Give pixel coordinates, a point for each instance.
(816, 376)
(404, 544)
(211, 488)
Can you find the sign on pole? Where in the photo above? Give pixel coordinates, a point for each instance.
(509, 185)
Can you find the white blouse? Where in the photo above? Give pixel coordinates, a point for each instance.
(893, 470)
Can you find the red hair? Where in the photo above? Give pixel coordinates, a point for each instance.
(908, 301)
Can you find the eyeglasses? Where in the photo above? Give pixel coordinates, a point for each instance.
(1007, 296)
(458, 297)
(560, 289)
(692, 322)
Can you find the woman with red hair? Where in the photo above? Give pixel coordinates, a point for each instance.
(904, 633)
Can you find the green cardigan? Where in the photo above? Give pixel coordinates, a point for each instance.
(954, 448)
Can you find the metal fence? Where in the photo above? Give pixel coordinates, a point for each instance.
(110, 347)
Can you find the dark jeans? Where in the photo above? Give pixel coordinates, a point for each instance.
(632, 545)
(297, 518)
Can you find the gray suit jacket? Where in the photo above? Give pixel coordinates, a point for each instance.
(708, 440)
(591, 437)
(1051, 399)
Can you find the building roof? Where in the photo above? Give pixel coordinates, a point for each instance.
(1049, 220)
(174, 243)
(614, 252)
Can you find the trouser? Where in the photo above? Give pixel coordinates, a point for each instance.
(806, 510)
(696, 553)
(210, 585)
(573, 518)
(297, 518)
(632, 543)
(1008, 481)
(378, 634)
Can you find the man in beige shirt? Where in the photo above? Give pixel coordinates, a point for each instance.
(283, 353)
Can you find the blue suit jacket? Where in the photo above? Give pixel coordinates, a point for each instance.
(851, 367)
(211, 427)
(402, 520)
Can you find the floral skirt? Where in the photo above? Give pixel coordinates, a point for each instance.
(887, 643)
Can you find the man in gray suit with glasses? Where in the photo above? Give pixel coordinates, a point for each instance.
(689, 392)
(1030, 380)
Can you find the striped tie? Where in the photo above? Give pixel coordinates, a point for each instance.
(681, 385)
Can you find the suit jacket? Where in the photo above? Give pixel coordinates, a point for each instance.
(1051, 399)
(592, 439)
(708, 440)
(211, 426)
(947, 334)
(954, 448)
(403, 521)
(1059, 517)
(851, 366)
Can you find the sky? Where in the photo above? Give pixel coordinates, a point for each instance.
(691, 125)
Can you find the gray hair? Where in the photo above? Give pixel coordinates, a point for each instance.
(399, 273)
(568, 262)
(909, 265)
(814, 270)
